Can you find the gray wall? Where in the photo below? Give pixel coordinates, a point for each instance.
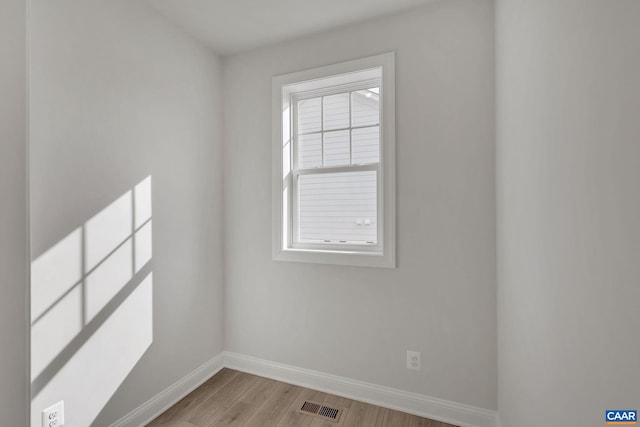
(119, 95)
(359, 322)
(13, 215)
(568, 209)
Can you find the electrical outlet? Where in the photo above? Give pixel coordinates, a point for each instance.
(53, 416)
(413, 360)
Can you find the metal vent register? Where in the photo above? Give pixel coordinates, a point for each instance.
(325, 412)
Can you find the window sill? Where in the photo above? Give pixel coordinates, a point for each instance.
(350, 258)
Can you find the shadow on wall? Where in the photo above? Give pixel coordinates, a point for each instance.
(91, 308)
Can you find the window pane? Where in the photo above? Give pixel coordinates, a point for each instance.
(336, 111)
(336, 148)
(338, 207)
(365, 143)
(310, 151)
(365, 107)
(309, 115)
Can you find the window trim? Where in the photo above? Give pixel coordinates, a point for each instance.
(306, 84)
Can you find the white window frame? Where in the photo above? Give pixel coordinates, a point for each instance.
(337, 78)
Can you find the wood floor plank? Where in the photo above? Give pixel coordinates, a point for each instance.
(273, 409)
(361, 415)
(209, 410)
(424, 422)
(232, 391)
(187, 406)
(236, 399)
(391, 418)
(220, 401)
(215, 383)
(401, 419)
(257, 395)
(235, 416)
(319, 422)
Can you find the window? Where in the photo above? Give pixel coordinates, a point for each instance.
(334, 164)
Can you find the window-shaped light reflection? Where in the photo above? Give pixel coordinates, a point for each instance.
(142, 196)
(94, 372)
(53, 331)
(108, 279)
(107, 230)
(55, 272)
(92, 308)
(144, 245)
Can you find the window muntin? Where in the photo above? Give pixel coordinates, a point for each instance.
(336, 149)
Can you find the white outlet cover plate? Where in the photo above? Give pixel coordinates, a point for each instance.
(53, 409)
(413, 360)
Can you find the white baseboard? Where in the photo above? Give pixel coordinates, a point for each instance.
(167, 398)
(417, 404)
(450, 412)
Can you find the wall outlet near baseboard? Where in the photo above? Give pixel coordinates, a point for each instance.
(413, 360)
(53, 416)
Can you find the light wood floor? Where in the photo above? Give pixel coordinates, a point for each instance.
(232, 398)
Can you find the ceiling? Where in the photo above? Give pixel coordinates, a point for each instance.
(232, 26)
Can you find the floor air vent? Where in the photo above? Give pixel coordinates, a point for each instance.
(325, 412)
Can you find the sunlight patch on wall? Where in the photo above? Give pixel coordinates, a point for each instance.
(55, 330)
(55, 272)
(107, 230)
(142, 193)
(103, 283)
(89, 379)
(92, 308)
(144, 243)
